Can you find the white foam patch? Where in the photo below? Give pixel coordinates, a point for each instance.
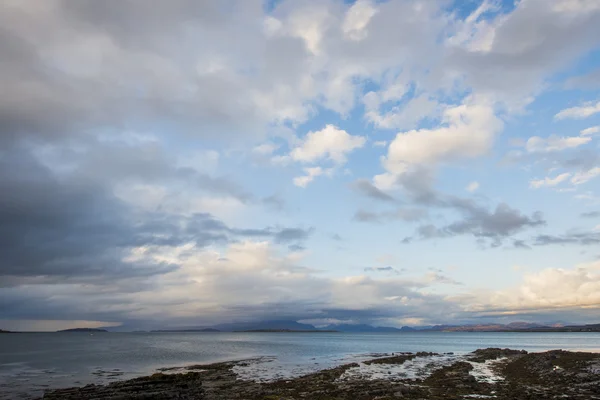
(483, 372)
(416, 368)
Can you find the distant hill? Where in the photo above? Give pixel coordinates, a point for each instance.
(188, 330)
(294, 326)
(290, 330)
(363, 328)
(3, 331)
(263, 325)
(515, 327)
(83, 330)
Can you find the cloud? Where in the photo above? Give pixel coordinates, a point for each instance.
(436, 277)
(590, 214)
(380, 143)
(504, 221)
(538, 183)
(357, 19)
(589, 81)
(287, 235)
(365, 187)
(403, 214)
(388, 268)
(274, 201)
(549, 290)
(246, 280)
(311, 174)
(400, 117)
(472, 187)
(590, 131)
(584, 176)
(329, 143)
(584, 111)
(580, 238)
(510, 56)
(467, 132)
(537, 144)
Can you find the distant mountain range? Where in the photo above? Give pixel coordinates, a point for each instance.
(293, 326)
(84, 330)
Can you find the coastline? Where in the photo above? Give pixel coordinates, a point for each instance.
(486, 373)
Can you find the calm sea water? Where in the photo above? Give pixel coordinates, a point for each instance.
(31, 362)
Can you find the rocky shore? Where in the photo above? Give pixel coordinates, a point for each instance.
(501, 374)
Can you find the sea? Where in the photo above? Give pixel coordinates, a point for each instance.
(33, 362)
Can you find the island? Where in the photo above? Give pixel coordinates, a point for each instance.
(291, 330)
(186, 330)
(90, 330)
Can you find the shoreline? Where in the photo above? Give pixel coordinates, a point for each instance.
(486, 373)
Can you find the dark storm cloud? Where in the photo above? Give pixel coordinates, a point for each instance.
(54, 227)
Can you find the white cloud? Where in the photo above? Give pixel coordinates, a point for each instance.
(580, 112)
(405, 116)
(536, 144)
(590, 131)
(380, 143)
(329, 143)
(583, 177)
(472, 187)
(536, 184)
(468, 131)
(311, 174)
(357, 19)
(551, 289)
(265, 149)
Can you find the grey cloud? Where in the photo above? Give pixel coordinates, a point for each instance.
(590, 214)
(287, 235)
(404, 214)
(589, 81)
(275, 202)
(532, 42)
(365, 187)
(137, 77)
(504, 221)
(384, 269)
(521, 244)
(581, 238)
(336, 237)
(74, 228)
(296, 247)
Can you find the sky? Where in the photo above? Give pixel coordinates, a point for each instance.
(397, 162)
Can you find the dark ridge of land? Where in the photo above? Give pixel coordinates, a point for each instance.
(520, 375)
(291, 330)
(187, 330)
(3, 331)
(83, 330)
(515, 327)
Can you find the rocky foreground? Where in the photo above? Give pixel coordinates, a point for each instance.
(485, 374)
